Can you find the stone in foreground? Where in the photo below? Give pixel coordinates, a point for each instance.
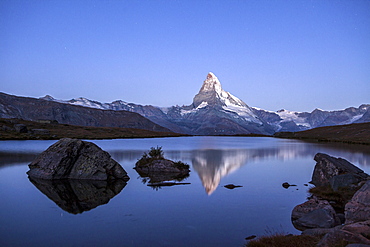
(314, 214)
(76, 159)
(358, 208)
(328, 168)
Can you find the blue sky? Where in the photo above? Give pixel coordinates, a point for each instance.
(296, 55)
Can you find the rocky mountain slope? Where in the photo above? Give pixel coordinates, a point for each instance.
(19, 129)
(213, 112)
(37, 109)
(217, 112)
(284, 120)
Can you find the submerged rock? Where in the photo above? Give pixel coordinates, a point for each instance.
(232, 186)
(250, 237)
(286, 185)
(76, 159)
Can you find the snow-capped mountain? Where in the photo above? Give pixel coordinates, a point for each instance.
(212, 94)
(215, 111)
(284, 120)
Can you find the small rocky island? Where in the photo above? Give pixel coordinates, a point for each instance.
(154, 166)
(76, 159)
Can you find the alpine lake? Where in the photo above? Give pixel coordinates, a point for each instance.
(198, 212)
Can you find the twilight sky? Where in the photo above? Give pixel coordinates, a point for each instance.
(297, 55)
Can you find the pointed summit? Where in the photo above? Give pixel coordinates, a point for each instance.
(212, 93)
(211, 84)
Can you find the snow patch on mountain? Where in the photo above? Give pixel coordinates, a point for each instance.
(86, 102)
(353, 119)
(287, 116)
(202, 105)
(243, 112)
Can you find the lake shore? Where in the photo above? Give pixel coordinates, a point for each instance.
(351, 133)
(18, 129)
(358, 133)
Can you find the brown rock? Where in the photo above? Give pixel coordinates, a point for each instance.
(314, 214)
(310, 205)
(338, 236)
(362, 228)
(75, 159)
(358, 208)
(328, 167)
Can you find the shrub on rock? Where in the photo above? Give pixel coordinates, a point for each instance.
(154, 162)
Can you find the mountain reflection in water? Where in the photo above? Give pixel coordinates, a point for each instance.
(77, 196)
(212, 165)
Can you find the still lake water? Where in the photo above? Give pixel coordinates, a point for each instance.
(202, 213)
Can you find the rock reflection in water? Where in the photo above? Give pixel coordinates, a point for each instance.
(77, 196)
(157, 180)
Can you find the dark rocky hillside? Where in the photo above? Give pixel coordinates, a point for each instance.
(351, 133)
(38, 109)
(18, 129)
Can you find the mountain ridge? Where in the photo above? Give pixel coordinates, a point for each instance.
(35, 109)
(217, 112)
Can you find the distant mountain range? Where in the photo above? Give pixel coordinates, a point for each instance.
(213, 112)
(37, 109)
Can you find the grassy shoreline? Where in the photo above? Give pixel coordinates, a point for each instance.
(54, 131)
(358, 133)
(350, 134)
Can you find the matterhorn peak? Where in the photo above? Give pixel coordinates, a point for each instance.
(211, 84)
(212, 93)
(211, 75)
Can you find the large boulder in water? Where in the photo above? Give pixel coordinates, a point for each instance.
(330, 170)
(76, 159)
